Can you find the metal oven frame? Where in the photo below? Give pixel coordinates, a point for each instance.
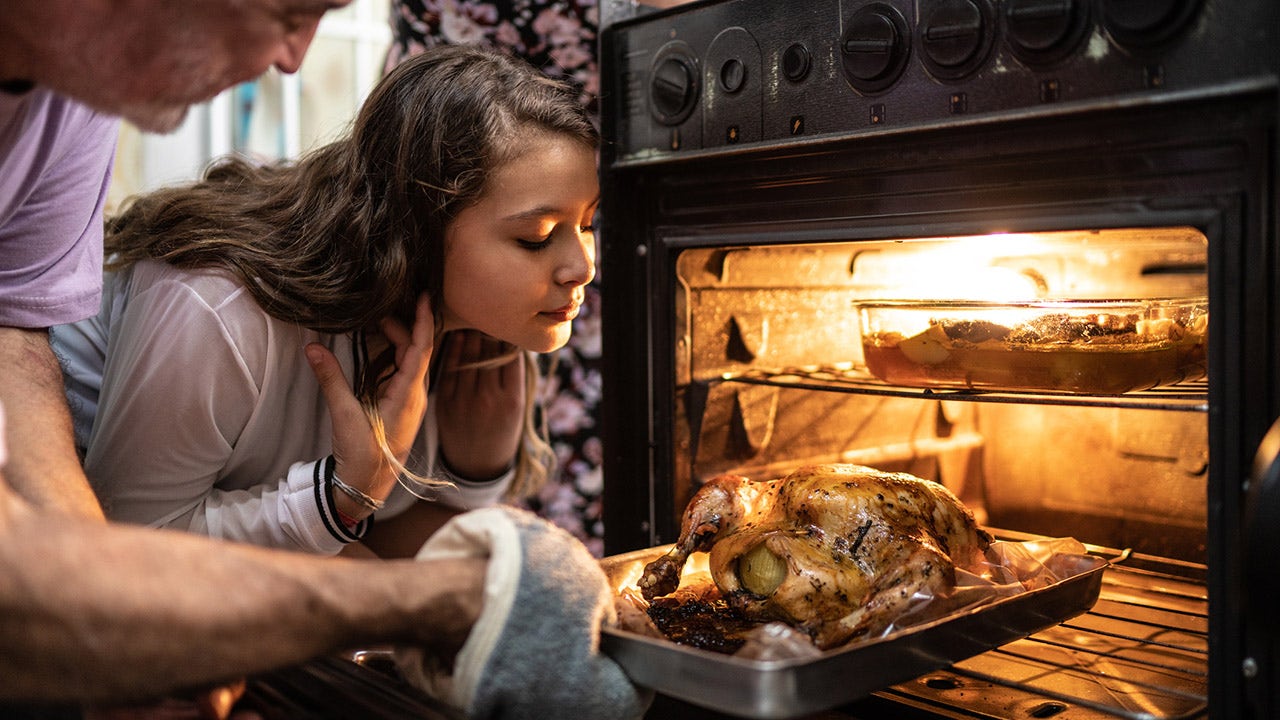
(1203, 156)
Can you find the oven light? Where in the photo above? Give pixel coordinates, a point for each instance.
(978, 282)
(995, 268)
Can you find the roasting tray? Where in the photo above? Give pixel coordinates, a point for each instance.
(794, 687)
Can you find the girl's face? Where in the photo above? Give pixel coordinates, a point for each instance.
(517, 261)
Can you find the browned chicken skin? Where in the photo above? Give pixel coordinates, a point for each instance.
(836, 550)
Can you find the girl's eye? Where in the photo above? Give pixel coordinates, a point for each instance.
(545, 242)
(540, 244)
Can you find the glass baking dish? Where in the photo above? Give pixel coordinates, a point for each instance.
(1097, 347)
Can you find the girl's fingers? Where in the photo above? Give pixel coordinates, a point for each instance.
(460, 371)
(470, 370)
(413, 348)
(342, 402)
(398, 335)
(499, 377)
(473, 354)
(447, 380)
(424, 323)
(511, 375)
(421, 341)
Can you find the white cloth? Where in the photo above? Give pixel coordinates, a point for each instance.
(196, 410)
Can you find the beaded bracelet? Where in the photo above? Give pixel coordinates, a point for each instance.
(346, 520)
(364, 500)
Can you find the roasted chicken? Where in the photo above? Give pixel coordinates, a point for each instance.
(838, 550)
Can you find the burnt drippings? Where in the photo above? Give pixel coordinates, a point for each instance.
(704, 623)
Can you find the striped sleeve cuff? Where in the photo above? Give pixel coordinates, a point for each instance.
(323, 484)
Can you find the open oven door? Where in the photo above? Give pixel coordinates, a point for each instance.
(1262, 575)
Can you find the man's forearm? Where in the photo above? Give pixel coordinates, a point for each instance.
(102, 612)
(43, 466)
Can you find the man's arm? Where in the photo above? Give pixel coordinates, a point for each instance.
(43, 466)
(96, 611)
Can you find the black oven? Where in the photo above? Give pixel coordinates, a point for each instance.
(775, 174)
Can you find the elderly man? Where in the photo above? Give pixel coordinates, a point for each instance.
(99, 613)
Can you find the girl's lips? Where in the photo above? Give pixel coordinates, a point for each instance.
(564, 313)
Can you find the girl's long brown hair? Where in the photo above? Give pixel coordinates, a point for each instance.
(354, 231)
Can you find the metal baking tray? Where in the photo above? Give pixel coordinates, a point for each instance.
(794, 687)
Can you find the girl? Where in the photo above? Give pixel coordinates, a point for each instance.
(453, 224)
(559, 38)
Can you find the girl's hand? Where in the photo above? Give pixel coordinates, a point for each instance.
(402, 402)
(479, 408)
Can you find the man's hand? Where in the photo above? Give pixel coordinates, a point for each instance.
(534, 651)
(479, 406)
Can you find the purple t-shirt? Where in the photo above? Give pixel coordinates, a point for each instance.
(55, 166)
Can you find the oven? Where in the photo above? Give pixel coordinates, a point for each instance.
(785, 185)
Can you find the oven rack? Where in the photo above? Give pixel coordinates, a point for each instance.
(363, 685)
(1190, 396)
(1141, 653)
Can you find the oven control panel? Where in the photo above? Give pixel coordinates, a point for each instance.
(716, 75)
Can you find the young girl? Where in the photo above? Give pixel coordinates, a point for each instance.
(259, 370)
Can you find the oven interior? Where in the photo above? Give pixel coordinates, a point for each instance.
(770, 374)
(764, 203)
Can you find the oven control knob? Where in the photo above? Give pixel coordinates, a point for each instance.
(955, 36)
(1045, 31)
(796, 62)
(875, 47)
(673, 89)
(1143, 23)
(733, 75)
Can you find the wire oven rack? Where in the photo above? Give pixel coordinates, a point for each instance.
(1141, 653)
(1191, 396)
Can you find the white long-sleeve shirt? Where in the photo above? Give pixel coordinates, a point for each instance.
(197, 410)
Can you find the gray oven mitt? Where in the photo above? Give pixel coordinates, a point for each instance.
(535, 651)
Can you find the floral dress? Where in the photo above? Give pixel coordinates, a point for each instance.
(558, 36)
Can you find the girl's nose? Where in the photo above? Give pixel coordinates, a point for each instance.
(579, 265)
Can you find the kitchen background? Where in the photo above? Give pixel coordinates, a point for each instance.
(281, 116)
(276, 116)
